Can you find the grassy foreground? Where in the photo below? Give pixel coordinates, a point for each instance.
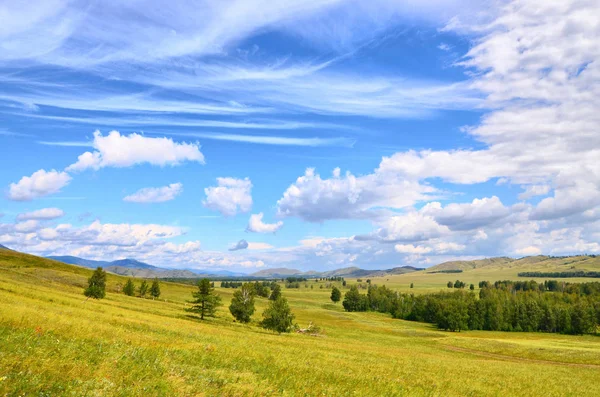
(54, 342)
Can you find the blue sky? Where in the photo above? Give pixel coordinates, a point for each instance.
(368, 134)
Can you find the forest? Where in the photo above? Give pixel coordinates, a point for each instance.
(552, 306)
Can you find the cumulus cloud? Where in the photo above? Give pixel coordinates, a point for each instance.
(116, 150)
(41, 214)
(345, 197)
(533, 191)
(240, 245)
(155, 194)
(41, 183)
(256, 225)
(467, 216)
(230, 196)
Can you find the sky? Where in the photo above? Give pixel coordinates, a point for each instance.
(319, 134)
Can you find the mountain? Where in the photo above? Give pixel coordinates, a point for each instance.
(134, 268)
(132, 264)
(73, 260)
(150, 273)
(343, 272)
(4, 247)
(277, 272)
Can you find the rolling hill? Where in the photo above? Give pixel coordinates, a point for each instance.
(56, 342)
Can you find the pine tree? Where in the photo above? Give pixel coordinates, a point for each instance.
(336, 295)
(155, 289)
(205, 302)
(277, 316)
(96, 285)
(143, 288)
(129, 288)
(275, 293)
(242, 303)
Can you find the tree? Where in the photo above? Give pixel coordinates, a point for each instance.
(205, 302)
(276, 292)
(155, 289)
(242, 303)
(354, 301)
(129, 288)
(450, 285)
(143, 288)
(412, 285)
(277, 316)
(472, 287)
(336, 295)
(344, 283)
(96, 285)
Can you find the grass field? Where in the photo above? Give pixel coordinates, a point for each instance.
(53, 342)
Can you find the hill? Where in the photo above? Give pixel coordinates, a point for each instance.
(4, 247)
(55, 342)
(468, 265)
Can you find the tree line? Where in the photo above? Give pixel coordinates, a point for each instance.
(569, 274)
(498, 307)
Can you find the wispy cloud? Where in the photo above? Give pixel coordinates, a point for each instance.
(272, 140)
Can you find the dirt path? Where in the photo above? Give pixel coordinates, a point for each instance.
(504, 357)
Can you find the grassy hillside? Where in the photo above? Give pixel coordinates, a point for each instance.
(54, 342)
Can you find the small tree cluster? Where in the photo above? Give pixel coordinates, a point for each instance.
(154, 289)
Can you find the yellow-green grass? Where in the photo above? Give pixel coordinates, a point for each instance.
(55, 342)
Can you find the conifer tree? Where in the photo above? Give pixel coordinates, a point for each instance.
(205, 301)
(129, 288)
(155, 289)
(96, 285)
(143, 288)
(336, 295)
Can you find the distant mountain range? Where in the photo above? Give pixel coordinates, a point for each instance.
(344, 272)
(135, 268)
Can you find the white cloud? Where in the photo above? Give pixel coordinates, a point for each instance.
(344, 197)
(259, 246)
(116, 150)
(467, 216)
(533, 191)
(26, 226)
(411, 249)
(41, 183)
(41, 214)
(230, 196)
(155, 194)
(256, 225)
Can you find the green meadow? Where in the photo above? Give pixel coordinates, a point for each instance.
(55, 342)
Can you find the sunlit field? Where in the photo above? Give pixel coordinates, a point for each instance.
(54, 341)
